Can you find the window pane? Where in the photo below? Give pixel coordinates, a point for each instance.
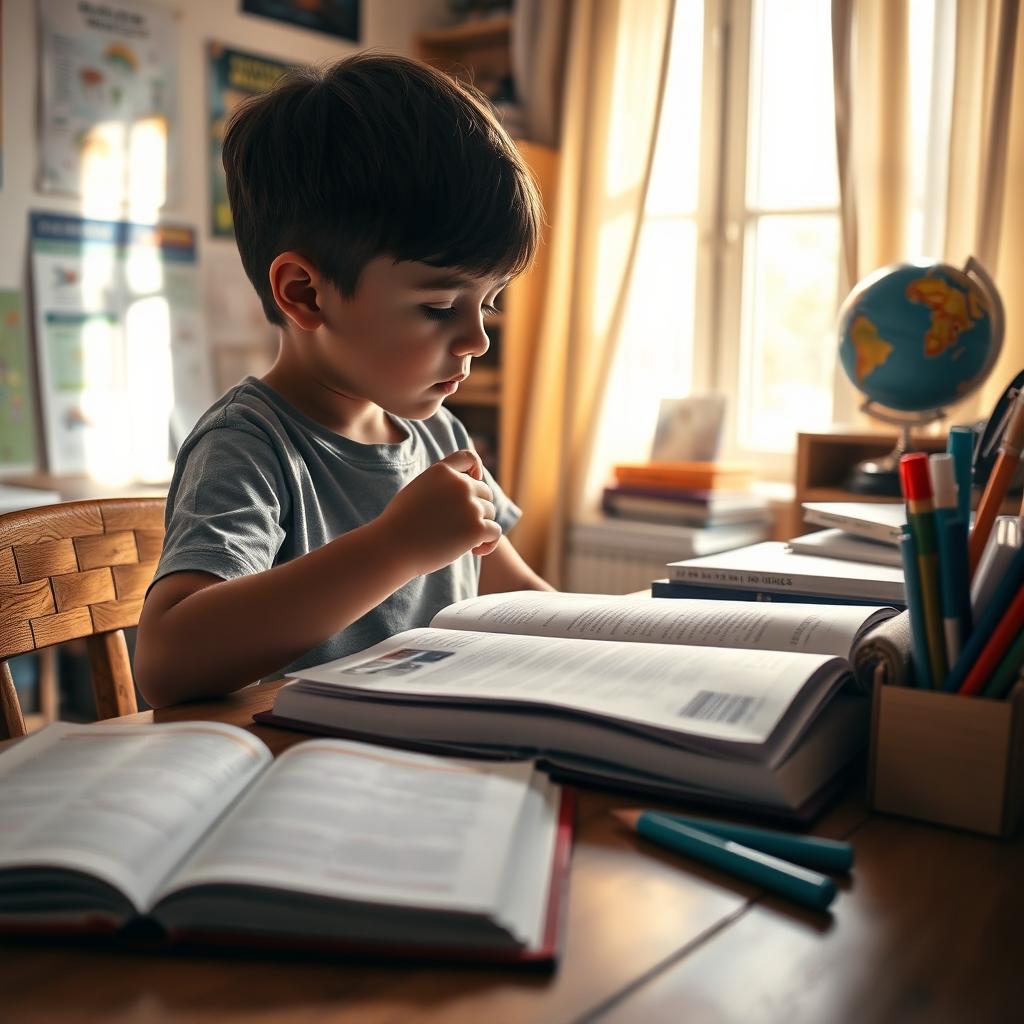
(788, 349)
(654, 358)
(673, 187)
(792, 147)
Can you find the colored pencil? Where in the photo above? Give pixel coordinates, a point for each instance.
(802, 885)
(985, 622)
(917, 490)
(960, 444)
(994, 651)
(999, 480)
(1002, 680)
(918, 639)
(810, 851)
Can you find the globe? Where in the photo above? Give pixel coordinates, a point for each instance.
(916, 337)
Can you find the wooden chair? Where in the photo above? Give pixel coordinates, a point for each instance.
(78, 569)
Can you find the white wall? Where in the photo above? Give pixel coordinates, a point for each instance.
(386, 25)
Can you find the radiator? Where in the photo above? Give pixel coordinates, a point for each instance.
(618, 556)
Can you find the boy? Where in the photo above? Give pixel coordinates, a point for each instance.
(379, 210)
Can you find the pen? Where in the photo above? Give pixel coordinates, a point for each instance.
(995, 650)
(918, 640)
(799, 884)
(960, 444)
(951, 534)
(917, 490)
(1005, 676)
(810, 851)
(999, 480)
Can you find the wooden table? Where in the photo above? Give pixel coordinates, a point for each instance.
(929, 927)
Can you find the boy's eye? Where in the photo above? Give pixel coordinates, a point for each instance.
(447, 312)
(438, 312)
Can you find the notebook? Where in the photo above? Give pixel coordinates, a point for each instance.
(847, 546)
(757, 711)
(881, 521)
(192, 833)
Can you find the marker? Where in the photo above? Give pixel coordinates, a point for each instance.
(917, 490)
(918, 639)
(960, 444)
(810, 851)
(1009, 670)
(951, 534)
(799, 884)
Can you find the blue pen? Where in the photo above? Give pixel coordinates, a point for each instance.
(810, 851)
(954, 571)
(987, 620)
(799, 884)
(960, 444)
(915, 609)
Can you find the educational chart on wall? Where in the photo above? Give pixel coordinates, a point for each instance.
(17, 392)
(108, 100)
(123, 369)
(233, 75)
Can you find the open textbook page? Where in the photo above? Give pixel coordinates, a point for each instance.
(121, 804)
(739, 703)
(757, 626)
(384, 830)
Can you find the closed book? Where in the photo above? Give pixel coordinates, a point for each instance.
(657, 541)
(732, 704)
(771, 568)
(847, 546)
(194, 834)
(881, 521)
(697, 475)
(714, 592)
(664, 508)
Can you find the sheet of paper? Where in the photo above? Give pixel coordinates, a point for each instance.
(812, 628)
(121, 802)
(355, 821)
(683, 694)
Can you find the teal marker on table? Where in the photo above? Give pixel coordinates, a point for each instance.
(811, 851)
(809, 888)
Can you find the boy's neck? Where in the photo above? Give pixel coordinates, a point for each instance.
(356, 419)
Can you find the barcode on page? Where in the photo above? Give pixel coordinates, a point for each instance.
(710, 705)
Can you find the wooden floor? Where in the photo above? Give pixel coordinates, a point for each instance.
(929, 927)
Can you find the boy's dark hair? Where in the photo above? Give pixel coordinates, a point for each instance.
(376, 155)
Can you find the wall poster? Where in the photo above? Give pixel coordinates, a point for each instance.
(233, 75)
(17, 389)
(334, 17)
(123, 370)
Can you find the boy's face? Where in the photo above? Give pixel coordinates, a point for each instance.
(407, 336)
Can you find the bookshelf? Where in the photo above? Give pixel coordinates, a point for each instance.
(491, 402)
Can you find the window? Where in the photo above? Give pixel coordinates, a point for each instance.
(736, 286)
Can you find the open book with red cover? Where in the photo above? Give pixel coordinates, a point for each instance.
(192, 833)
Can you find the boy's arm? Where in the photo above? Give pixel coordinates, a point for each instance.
(201, 636)
(504, 570)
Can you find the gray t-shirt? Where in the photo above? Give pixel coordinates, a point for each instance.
(258, 483)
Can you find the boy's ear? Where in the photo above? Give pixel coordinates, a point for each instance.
(293, 280)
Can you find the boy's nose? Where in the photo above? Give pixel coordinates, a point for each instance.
(472, 341)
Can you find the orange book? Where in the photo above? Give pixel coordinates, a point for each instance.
(702, 476)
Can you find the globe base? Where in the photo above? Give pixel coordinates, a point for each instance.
(881, 477)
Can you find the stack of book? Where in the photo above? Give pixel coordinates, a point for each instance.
(855, 560)
(707, 499)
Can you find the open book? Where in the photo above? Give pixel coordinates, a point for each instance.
(192, 832)
(753, 711)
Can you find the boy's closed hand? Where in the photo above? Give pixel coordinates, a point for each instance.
(445, 512)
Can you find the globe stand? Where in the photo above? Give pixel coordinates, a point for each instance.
(881, 476)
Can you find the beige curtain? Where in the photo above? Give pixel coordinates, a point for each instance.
(614, 83)
(984, 203)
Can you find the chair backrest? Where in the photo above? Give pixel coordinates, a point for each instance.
(78, 569)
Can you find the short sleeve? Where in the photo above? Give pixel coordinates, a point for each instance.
(226, 508)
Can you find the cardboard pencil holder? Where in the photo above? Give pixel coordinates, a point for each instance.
(948, 759)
